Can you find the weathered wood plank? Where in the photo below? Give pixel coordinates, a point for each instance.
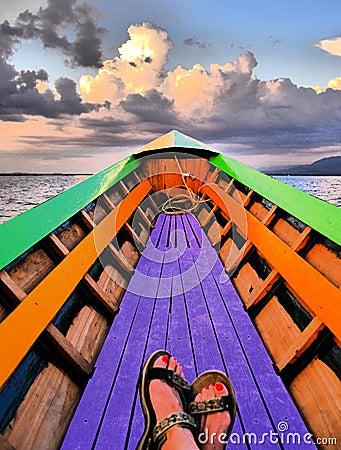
(116, 421)
(317, 392)
(57, 246)
(101, 300)
(32, 270)
(65, 355)
(52, 341)
(45, 300)
(43, 416)
(290, 265)
(121, 263)
(157, 339)
(4, 444)
(71, 235)
(277, 328)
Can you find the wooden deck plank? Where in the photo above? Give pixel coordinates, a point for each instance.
(201, 323)
(252, 409)
(115, 425)
(88, 416)
(205, 348)
(156, 340)
(179, 339)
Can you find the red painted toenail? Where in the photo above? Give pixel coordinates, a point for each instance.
(179, 364)
(219, 386)
(165, 358)
(207, 387)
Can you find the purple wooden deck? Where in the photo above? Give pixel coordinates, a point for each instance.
(180, 299)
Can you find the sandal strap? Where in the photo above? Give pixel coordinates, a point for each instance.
(216, 404)
(180, 419)
(170, 377)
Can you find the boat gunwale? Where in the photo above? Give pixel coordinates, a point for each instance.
(320, 215)
(17, 237)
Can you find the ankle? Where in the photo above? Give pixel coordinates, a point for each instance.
(180, 439)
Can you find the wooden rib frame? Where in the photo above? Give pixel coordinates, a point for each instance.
(45, 300)
(288, 264)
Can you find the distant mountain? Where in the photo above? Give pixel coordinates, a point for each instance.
(325, 166)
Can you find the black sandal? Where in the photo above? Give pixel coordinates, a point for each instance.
(216, 404)
(154, 435)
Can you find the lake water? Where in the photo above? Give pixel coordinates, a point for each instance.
(326, 188)
(19, 193)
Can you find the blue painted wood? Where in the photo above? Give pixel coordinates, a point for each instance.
(83, 430)
(92, 408)
(180, 298)
(205, 345)
(197, 230)
(116, 421)
(157, 339)
(179, 339)
(252, 409)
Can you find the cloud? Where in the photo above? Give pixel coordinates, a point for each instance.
(224, 103)
(192, 42)
(20, 97)
(47, 25)
(332, 45)
(139, 67)
(150, 107)
(334, 83)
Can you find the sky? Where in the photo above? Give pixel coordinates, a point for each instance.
(85, 83)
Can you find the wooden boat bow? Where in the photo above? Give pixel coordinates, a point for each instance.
(95, 279)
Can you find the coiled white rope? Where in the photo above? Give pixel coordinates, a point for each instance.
(184, 202)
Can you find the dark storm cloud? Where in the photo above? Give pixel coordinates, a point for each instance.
(9, 36)
(274, 141)
(150, 107)
(192, 42)
(19, 95)
(46, 25)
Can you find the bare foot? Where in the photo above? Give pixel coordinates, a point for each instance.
(166, 400)
(213, 427)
